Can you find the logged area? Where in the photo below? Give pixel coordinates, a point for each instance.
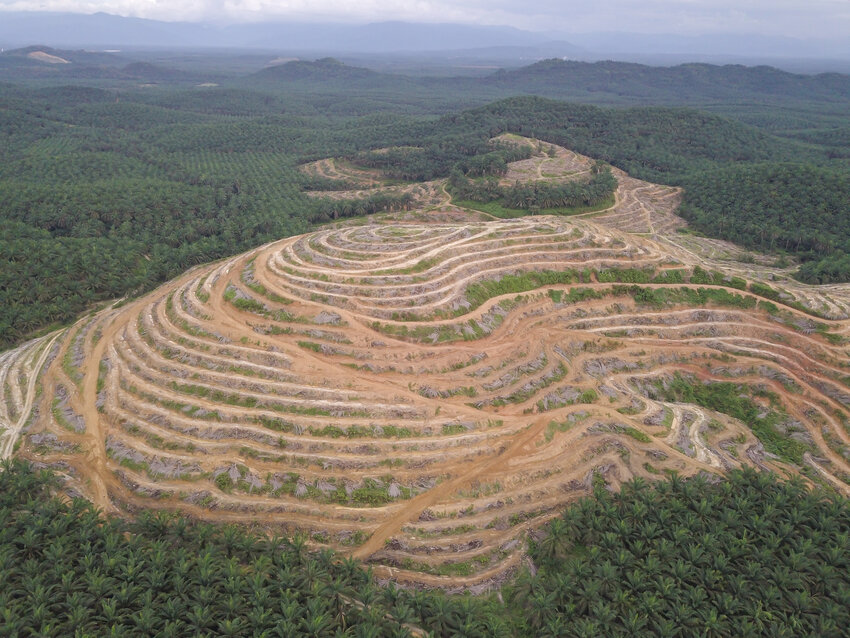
(425, 387)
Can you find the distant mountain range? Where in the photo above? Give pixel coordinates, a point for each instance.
(599, 82)
(682, 83)
(506, 46)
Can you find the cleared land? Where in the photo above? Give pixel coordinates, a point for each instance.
(423, 389)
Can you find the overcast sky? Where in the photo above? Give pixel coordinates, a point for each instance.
(795, 18)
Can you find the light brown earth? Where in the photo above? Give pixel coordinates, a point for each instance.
(42, 56)
(347, 386)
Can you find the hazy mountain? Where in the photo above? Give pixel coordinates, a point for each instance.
(457, 43)
(43, 62)
(72, 30)
(739, 45)
(376, 37)
(683, 83)
(605, 81)
(600, 82)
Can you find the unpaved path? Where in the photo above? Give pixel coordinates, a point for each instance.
(13, 430)
(445, 489)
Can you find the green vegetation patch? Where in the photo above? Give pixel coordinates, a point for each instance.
(748, 555)
(500, 210)
(735, 400)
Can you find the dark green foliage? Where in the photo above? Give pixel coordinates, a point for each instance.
(328, 209)
(624, 83)
(103, 198)
(744, 556)
(416, 164)
(68, 571)
(96, 212)
(798, 208)
(537, 195)
(657, 144)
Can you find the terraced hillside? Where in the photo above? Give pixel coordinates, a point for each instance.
(423, 390)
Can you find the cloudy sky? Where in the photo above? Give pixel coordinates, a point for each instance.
(795, 18)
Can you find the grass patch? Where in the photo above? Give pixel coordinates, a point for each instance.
(636, 434)
(554, 427)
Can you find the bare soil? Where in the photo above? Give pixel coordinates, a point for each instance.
(343, 383)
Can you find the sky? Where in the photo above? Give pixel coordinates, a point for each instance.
(804, 19)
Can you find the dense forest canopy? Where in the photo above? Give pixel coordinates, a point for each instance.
(154, 180)
(802, 209)
(745, 556)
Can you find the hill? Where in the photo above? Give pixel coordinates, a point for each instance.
(49, 55)
(330, 73)
(179, 176)
(682, 84)
(62, 65)
(423, 389)
(599, 82)
(730, 88)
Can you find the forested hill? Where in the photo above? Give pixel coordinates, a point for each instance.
(599, 82)
(762, 96)
(653, 143)
(323, 70)
(109, 192)
(686, 83)
(606, 82)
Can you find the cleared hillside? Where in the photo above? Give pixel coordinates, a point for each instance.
(424, 389)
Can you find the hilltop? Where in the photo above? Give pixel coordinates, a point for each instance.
(682, 84)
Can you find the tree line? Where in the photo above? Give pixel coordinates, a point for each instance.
(801, 209)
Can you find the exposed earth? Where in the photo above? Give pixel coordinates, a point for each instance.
(406, 389)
